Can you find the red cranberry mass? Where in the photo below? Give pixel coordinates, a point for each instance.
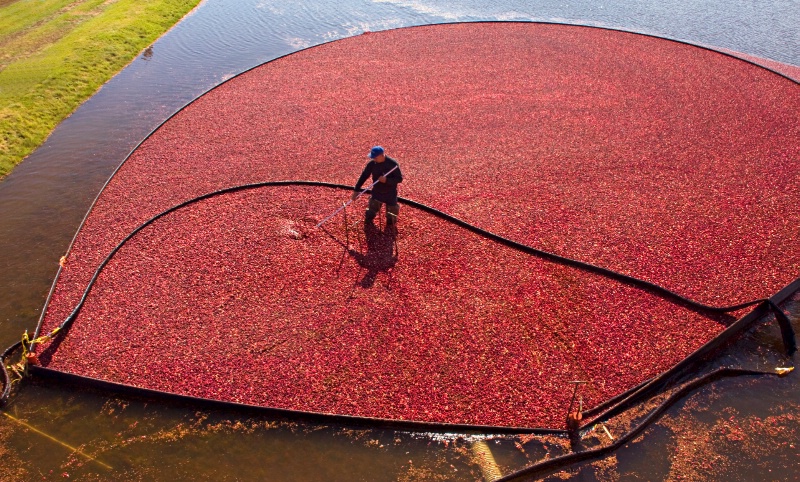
(664, 161)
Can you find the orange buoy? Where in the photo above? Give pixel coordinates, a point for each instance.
(31, 358)
(574, 421)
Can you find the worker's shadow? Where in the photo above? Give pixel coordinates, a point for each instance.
(380, 256)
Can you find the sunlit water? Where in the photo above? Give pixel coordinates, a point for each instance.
(45, 198)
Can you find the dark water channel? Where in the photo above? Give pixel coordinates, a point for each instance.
(45, 198)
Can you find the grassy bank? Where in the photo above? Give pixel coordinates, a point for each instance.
(54, 54)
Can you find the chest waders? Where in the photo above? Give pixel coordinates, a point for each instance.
(374, 206)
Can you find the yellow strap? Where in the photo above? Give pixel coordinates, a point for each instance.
(27, 342)
(63, 444)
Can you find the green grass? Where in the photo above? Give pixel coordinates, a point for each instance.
(54, 54)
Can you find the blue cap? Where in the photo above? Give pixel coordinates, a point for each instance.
(375, 152)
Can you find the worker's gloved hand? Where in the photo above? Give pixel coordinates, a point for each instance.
(354, 196)
(382, 179)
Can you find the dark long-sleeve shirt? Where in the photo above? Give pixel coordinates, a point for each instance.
(383, 191)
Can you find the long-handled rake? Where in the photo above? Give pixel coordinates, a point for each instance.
(353, 199)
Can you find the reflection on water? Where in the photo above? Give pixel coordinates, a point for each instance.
(148, 53)
(46, 197)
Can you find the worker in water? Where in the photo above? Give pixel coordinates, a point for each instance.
(386, 174)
